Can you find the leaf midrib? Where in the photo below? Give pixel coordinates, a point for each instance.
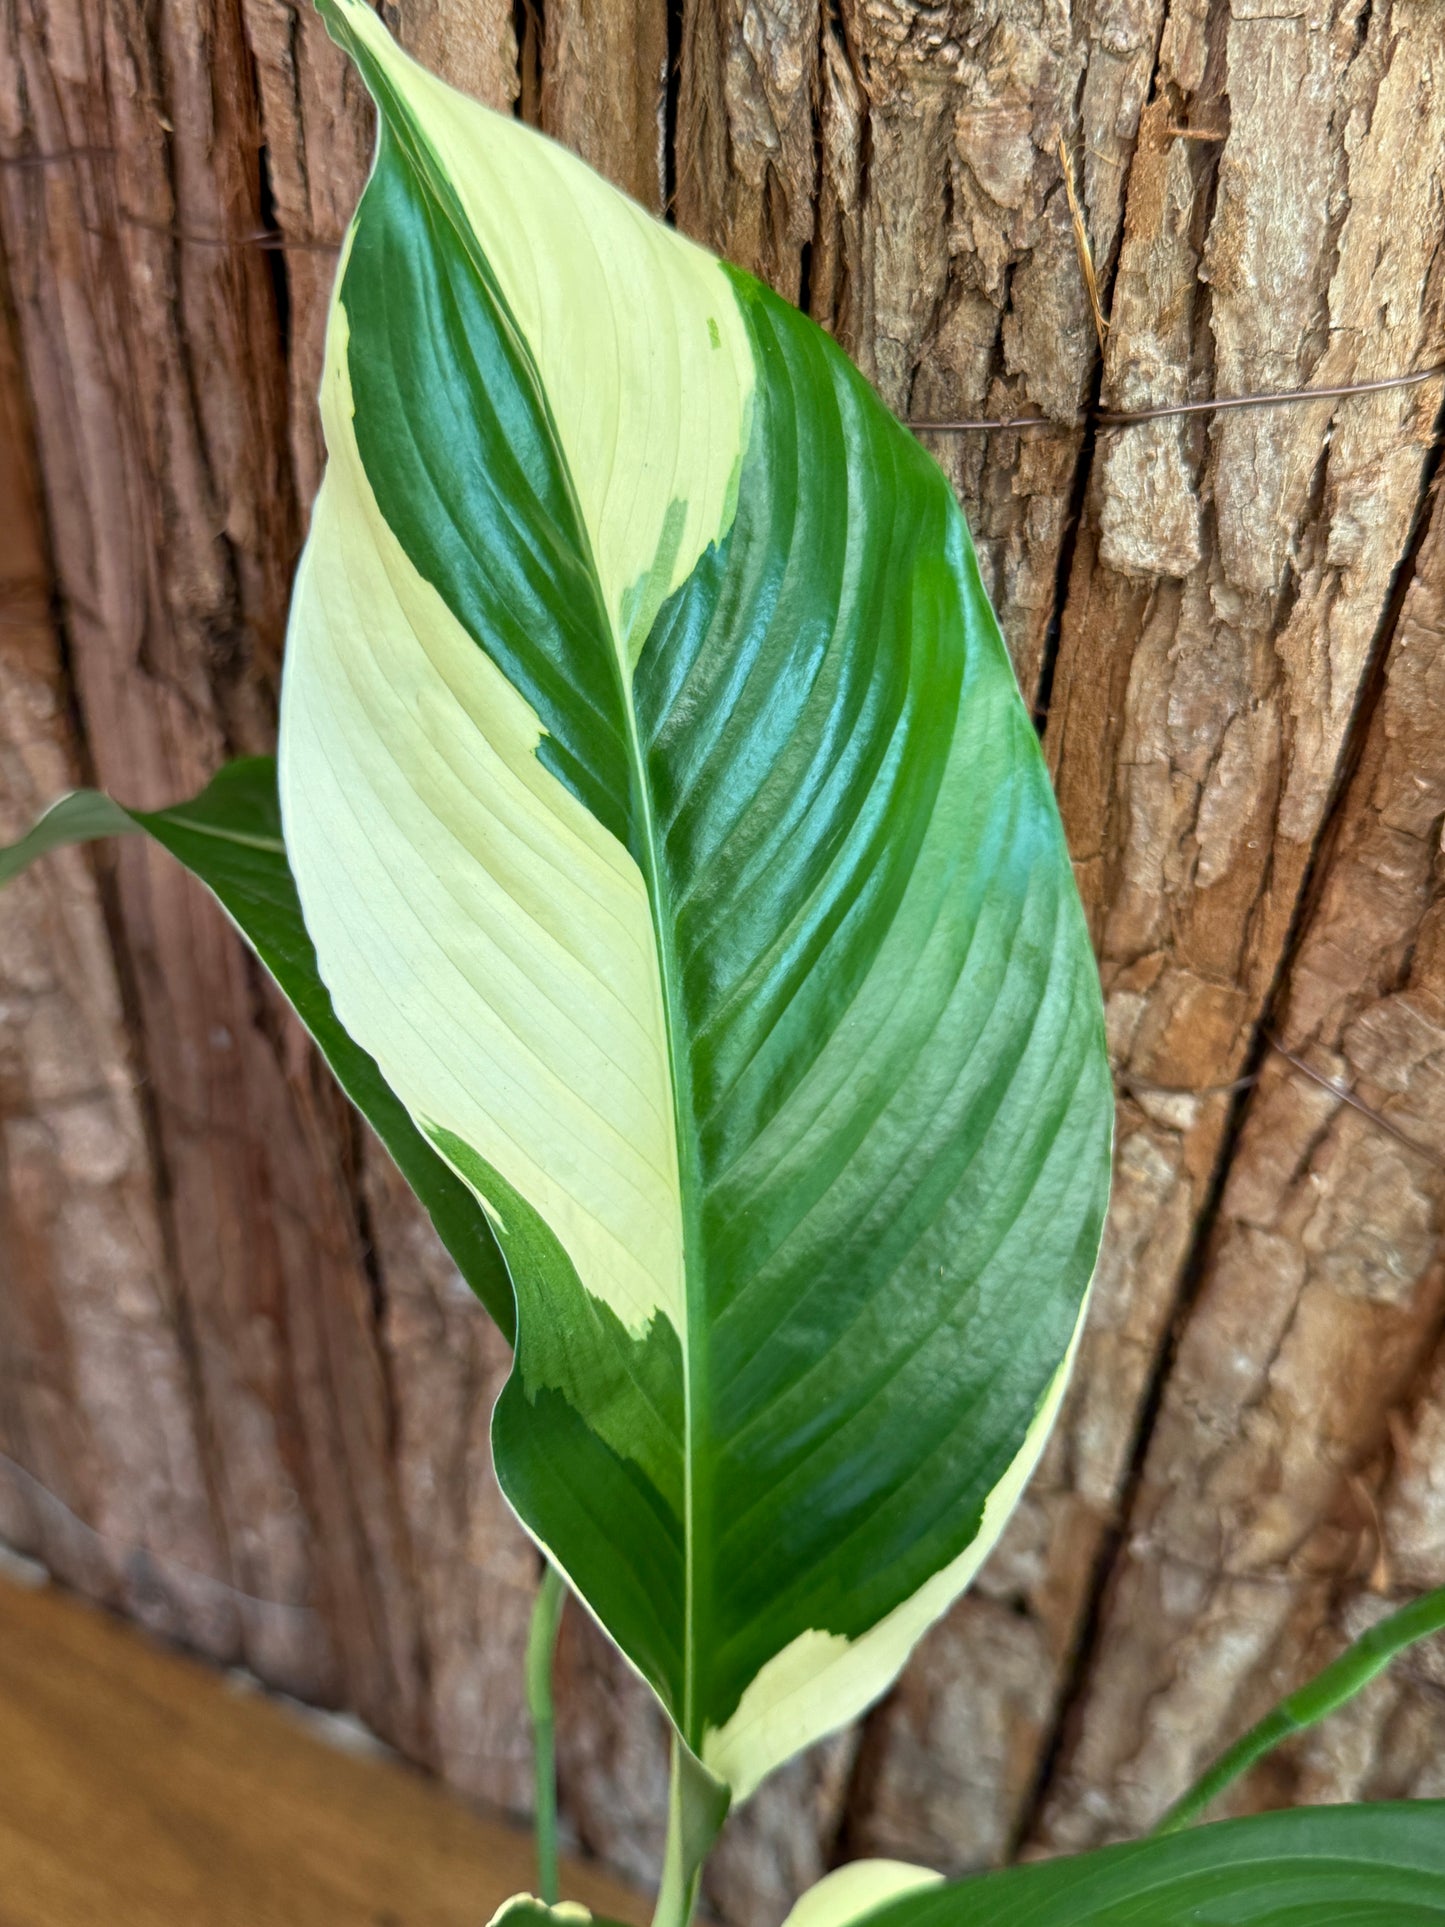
(692, 1337)
(272, 845)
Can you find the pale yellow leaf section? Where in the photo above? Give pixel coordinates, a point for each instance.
(821, 1681)
(481, 934)
(635, 332)
(860, 1888)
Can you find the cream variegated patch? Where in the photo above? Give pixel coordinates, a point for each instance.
(851, 1893)
(481, 934)
(635, 333)
(820, 1680)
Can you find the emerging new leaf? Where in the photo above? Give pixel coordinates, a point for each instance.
(671, 832)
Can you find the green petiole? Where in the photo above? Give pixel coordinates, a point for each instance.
(541, 1648)
(1370, 1654)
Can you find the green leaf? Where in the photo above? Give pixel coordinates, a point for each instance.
(671, 831)
(230, 837)
(697, 1805)
(1344, 1866)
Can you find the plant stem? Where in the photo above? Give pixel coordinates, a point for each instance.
(541, 1647)
(677, 1895)
(696, 1808)
(1356, 1667)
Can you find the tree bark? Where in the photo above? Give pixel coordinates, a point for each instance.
(1228, 598)
(1289, 1488)
(243, 1394)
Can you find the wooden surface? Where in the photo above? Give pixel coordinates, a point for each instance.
(228, 1344)
(141, 1789)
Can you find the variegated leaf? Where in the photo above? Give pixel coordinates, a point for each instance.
(671, 831)
(1339, 1866)
(672, 836)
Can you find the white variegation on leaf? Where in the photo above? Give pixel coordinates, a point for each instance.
(671, 832)
(850, 1893)
(473, 916)
(670, 875)
(1381, 1865)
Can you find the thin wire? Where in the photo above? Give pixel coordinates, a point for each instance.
(1127, 419)
(993, 422)
(1133, 1083)
(264, 238)
(1331, 393)
(275, 239)
(1129, 1081)
(269, 240)
(54, 157)
(1347, 1096)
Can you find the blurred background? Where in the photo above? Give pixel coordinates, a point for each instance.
(243, 1395)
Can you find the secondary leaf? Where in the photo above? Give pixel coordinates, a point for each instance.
(230, 837)
(1350, 1866)
(670, 829)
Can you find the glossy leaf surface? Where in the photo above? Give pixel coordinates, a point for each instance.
(1344, 1866)
(671, 831)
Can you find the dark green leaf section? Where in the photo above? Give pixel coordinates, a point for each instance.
(900, 1100)
(893, 1103)
(230, 837)
(459, 448)
(480, 497)
(1360, 1866)
(571, 1477)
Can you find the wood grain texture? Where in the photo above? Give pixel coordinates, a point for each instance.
(472, 42)
(956, 278)
(97, 1394)
(152, 347)
(317, 128)
(1289, 1490)
(474, 1571)
(230, 1341)
(156, 1793)
(747, 149)
(1226, 595)
(603, 90)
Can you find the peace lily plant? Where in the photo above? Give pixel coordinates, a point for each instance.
(662, 857)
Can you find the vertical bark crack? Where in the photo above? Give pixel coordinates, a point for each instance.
(1195, 1272)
